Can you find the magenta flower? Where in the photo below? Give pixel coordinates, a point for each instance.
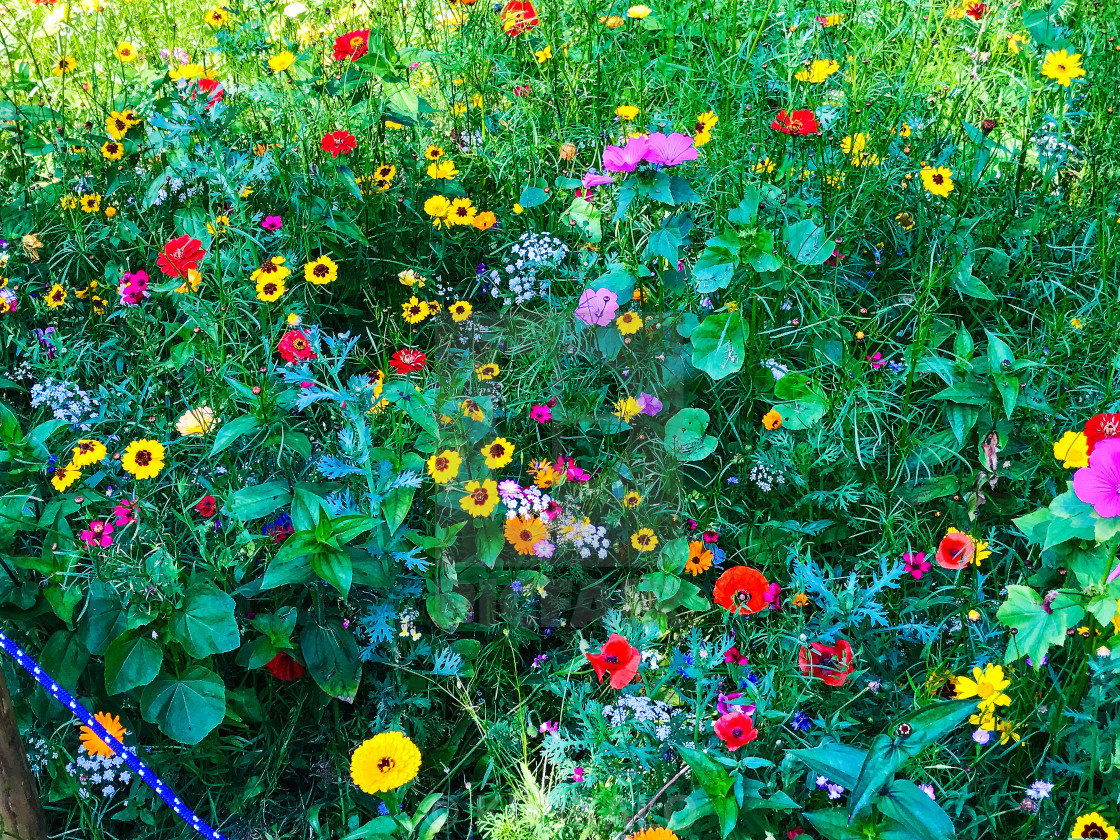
(272, 223)
(98, 534)
(594, 179)
(125, 512)
(133, 287)
(916, 564)
(725, 707)
(732, 657)
(651, 406)
(541, 413)
(577, 774)
(626, 158)
(597, 307)
(1099, 483)
(670, 150)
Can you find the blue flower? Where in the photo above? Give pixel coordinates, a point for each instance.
(801, 722)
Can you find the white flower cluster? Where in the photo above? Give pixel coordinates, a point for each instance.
(66, 400)
(523, 501)
(644, 710)
(99, 774)
(518, 281)
(584, 537)
(765, 477)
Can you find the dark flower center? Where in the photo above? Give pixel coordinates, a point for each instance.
(737, 732)
(610, 659)
(386, 764)
(480, 496)
(143, 457)
(321, 270)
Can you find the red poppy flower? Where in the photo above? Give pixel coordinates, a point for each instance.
(214, 90)
(283, 667)
(180, 256)
(800, 122)
(518, 16)
(735, 729)
(832, 664)
(207, 506)
(955, 551)
(352, 45)
(617, 658)
(741, 590)
(339, 142)
(407, 360)
(294, 346)
(1099, 427)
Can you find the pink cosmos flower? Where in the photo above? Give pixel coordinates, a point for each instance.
(133, 287)
(670, 150)
(626, 158)
(597, 307)
(594, 179)
(916, 564)
(1099, 483)
(98, 534)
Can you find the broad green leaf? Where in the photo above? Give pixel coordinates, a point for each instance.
(186, 708)
(883, 760)
(448, 609)
(685, 438)
(104, 618)
(908, 804)
(331, 655)
(808, 242)
(131, 661)
(206, 624)
(713, 778)
(663, 242)
(931, 724)
(334, 566)
(229, 432)
(837, 761)
(258, 500)
(65, 659)
(718, 344)
(1036, 629)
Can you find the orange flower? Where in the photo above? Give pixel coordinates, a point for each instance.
(524, 532)
(699, 558)
(93, 744)
(741, 590)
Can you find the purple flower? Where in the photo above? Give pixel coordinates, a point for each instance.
(1099, 483)
(835, 791)
(545, 549)
(981, 736)
(670, 150)
(626, 158)
(597, 307)
(272, 223)
(916, 564)
(651, 406)
(723, 702)
(594, 179)
(928, 791)
(1039, 790)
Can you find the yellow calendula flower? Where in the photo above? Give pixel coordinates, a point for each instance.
(321, 271)
(1062, 67)
(639, 12)
(626, 112)
(937, 180)
(612, 21)
(987, 685)
(817, 71)
(1072, 449)
(143, 458)
(384, 762)
(281, 61)
(93, 744)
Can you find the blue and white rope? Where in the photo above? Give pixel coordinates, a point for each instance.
(83, 714)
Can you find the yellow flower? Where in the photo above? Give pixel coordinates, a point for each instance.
(487, 372)
(187, 71)
(414, 310)
(63, 476)
(93, 744)
(626, 409)
(853, 144)
(197, 421)
(112, 150)
(384, 762)
(765, 166)
(218, 226)
(321, 271)
(626, 112)
(644, 540)
(444, 466)
(143, 458)
(271, 269)
(472, 410)
(1076, 323)
(524, 532)
(458, 109)
(87, 452)
(217, 17)
(484, 220)
(69, 202)
(517, 209)
(1062, 67)
(462, 212)
(612, 21)
(55, 297)
(497, 454)
(772, 420)
(1072, 449)
(817, 71)
(628, 323)
(481, 498)
(460, 311)
(125, 52)
(1093, 826)
(1015, 42)
(639, 12)
(437, 207)
(65, 65)
(631, 500)
(543, 55)
(937, 180)
(987, 686)
(443, 170)
(270, 289)
(281, 61)
(190, 282)
(90, 203)
(433, 152)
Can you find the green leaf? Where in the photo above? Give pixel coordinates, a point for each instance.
(747, 211)
(685, 438)
(292, 564)
(331, 655)
(833, 825)
(718, 344)
(396, 505)
(1036, 629)
(205, 624)
(715, 268)
(661, 585)
(65, 659)
(837, 761)
(883, 760)
(532, 196)
(808, 243)
(334, 566)
(104, 618)
(905, 802)
(713, 778)
(932, 723)
(696, 806)
(259, 500)
(132, 661)
(448, 609)
(186, 708)
(663, 242)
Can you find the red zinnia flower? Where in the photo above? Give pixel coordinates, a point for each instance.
(617, 658)
(352, 45)
(1099, 427)
(741, 590)
(799, 122)
(338, 142)
(832, 664)
(518, 16)
(180, 256)
(295, 346)
(207, 506)
(955, 551)
(735, 729)
(283, 667)
(407, 360)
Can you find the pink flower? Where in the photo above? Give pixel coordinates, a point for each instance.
(670, 150)
(733, 657)
(876, 360)
(773, 596)
(133, 287)
(916, 564)
(544, 549)
(651, 406)
(1099, 483)
(272, 223)
(594, 179)
(577, 774)
(97, 534)
(724, 705)
(540, 413)
(597, 307)
(625, 158)
(125, 512)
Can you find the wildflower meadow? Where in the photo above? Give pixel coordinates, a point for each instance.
(559, 420)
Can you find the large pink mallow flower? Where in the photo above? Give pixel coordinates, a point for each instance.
(597, 307)
(625, 158)
(1099, 483)
(670, 150)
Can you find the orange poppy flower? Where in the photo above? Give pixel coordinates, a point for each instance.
(741, 590)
